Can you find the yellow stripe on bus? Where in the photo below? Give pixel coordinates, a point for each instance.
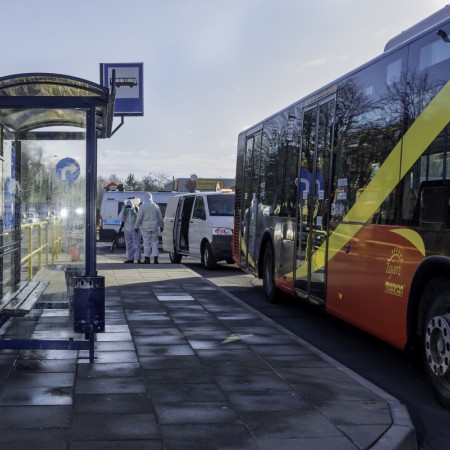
(246, 253)
(413, 237)
(416, 140)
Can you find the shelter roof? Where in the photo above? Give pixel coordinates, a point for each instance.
(37, 100)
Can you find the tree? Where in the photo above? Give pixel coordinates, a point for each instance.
(131, 181)
(155, 182)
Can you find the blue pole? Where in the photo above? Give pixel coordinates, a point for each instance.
(91, 192)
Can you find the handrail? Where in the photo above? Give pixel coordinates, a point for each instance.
(44, 246)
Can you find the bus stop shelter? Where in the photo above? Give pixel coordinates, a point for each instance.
(49, 127)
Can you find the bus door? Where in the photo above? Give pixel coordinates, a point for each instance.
(313, 185)
(250, 200)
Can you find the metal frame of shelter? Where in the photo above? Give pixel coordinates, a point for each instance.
(32, 101)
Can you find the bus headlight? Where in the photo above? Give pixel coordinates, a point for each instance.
(222, 231)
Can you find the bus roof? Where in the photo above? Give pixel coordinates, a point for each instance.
(418, 28)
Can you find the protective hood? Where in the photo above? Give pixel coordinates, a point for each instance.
(148, 197)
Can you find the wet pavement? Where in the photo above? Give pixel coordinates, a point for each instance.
(185, 365)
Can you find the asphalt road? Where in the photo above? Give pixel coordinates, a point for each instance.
(371, 358)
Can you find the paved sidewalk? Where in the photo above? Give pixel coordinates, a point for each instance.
(185, 365)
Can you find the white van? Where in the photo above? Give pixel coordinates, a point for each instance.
(112, 204)
(199, 225)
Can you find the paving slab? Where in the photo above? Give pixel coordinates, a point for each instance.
(183, 364)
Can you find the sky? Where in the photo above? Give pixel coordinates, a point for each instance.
(212, 68)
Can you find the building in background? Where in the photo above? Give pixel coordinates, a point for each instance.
(199, 184)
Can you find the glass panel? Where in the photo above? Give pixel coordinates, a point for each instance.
(53, 193)
(250, 199)
(27, 119)
(429, 64)
(43, 226)
(9, 236)
(375, 80)
(430, 170)
(305, 181)
(317, 142)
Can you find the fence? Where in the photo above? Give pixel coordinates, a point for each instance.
(41, 244)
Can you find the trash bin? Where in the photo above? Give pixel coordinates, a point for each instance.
(89, 304)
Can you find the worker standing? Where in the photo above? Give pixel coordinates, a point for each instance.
(128, 217)
(149, 220)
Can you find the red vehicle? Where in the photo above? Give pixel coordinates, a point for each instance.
(342, 199)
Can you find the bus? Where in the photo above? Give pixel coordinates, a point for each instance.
(342, 198)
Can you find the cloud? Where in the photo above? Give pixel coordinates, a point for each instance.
(316, 62)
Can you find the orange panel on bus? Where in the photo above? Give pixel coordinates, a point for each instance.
(369, 281)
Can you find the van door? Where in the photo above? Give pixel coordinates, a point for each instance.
(198, 226)
(181, 226)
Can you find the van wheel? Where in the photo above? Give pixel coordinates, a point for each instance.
(207, 257)
(175, 257)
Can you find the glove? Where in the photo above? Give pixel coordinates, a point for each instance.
(136, 230)
(122, 224)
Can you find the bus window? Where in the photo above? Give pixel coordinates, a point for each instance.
(432, 169)
(430, 60)
(366, 133)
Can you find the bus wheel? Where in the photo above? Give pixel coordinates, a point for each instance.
(175, 257)
(436, 338)
(207, 257)
(270, 290)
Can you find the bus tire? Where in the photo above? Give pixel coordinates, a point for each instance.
(436, 338)
(175, 257)
(270, 291)
(208, 259)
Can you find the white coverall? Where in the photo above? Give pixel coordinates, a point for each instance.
(149, 220)
(128, 217)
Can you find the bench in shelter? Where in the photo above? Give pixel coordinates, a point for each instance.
(21, 301)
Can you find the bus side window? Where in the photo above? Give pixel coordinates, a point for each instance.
(434, 208)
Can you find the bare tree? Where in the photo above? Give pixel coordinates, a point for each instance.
(154, 182)
(131, 181)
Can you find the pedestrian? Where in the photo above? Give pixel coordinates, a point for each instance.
(149, 220)
(128, 217)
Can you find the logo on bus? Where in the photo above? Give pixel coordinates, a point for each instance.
(394, 269)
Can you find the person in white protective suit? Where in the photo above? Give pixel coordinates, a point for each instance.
(128, 217)
(149, 220)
